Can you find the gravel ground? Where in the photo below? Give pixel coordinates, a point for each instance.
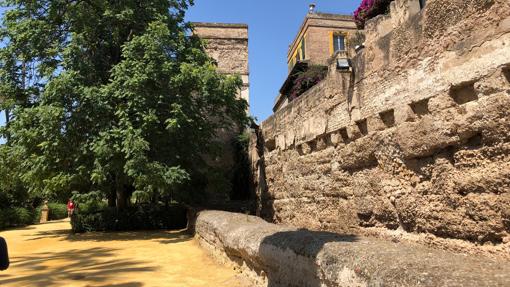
(49, 255)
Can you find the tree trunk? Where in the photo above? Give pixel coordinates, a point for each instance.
(121, 195)
(112, 197)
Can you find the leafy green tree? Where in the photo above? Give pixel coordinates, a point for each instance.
(110, 96)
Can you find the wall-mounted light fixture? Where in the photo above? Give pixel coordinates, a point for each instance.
(343, 64)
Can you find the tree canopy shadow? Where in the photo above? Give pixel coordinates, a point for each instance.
(29, 227)
(306, 245)
(163, 237)
(89, 265)
(130, 284)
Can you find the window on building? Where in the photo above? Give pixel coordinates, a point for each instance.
(338, 42)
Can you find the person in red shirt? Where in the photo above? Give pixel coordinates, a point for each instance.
(70, 208)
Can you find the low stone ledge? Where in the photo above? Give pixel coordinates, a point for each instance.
(272, 255)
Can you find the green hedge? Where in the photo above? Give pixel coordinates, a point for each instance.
(15, 217)
(142, 217)
(91, 207)
(19, 216)
(57, 211)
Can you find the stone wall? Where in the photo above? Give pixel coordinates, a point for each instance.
(228, 45)
(272, 255)
(413, 145)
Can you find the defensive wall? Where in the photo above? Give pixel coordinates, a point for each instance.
(411, 145)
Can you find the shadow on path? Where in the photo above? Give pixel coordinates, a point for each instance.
(131, 284)
(89, 265)
(163, 237)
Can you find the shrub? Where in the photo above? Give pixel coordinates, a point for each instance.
(15, 217)
(91, 206)
(141, 217)
(89, 203)
(57, 211)
(369, 9)
(307, 79)
(241, 172)
(24, 216)
(37, 215)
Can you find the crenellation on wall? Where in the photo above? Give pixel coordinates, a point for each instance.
(413, 144)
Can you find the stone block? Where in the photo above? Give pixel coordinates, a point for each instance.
(272, 255)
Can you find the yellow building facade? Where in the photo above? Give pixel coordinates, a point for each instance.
(319, 37)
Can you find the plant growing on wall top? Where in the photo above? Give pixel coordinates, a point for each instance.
(368, 9)
(356, 39)
(307, 79)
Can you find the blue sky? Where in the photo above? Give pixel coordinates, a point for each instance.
(273, 24)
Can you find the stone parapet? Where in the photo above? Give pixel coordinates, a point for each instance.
(271, 255)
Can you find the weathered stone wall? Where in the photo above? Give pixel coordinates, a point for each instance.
(414, 144)
(272, 255)
(228, 45)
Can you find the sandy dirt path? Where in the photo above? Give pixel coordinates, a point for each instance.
(49, 255)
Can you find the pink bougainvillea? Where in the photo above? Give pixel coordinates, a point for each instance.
(369, 9)
(307, 79)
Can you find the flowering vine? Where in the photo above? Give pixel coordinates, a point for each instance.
(368, 9)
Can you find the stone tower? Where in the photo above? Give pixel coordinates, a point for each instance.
(228, 45)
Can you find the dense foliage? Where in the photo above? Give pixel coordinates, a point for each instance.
(16, 216)
(241, 170)
(16, 205)
(306, 79)
(57, 211)
(369, 9)
(108, 97)
(141, 217)
(12, 216)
